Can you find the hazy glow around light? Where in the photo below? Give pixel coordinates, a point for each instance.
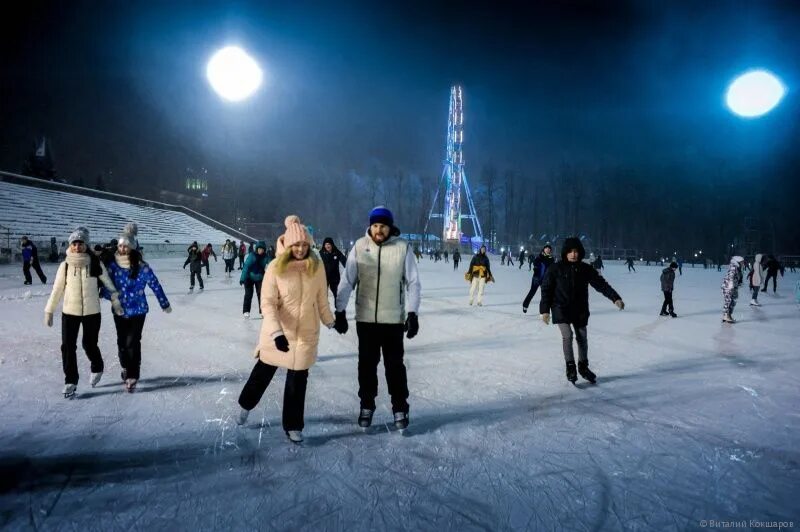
(233, 74)
(755, 93)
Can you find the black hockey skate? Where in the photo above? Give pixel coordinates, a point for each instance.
(586, 373)
(365, 417)
(401, 420)
(572, 374)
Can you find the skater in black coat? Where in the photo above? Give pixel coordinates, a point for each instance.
(565, 294)
(456, 259)
(667, 284)
(195, 262)
(540, 266)
(331, 258)
(773, 266)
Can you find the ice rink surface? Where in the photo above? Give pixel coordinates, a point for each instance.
(691, 419)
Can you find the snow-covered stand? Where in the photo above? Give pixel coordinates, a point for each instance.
(41, 213)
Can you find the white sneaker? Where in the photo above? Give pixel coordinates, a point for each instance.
(95, 378)
(241, 419)
(295, 436)
(69, 391)
(246, 315)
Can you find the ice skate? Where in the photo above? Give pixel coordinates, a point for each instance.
(672, 314)
(69, 391)
(241, 419)
(246, 315)
(727, 318)
(572, 374)
(664, 313)
(295, 436)
(754, 303)
(130, 385)
(586, 373)
(401, 420)
(365, 417)
(95, 378)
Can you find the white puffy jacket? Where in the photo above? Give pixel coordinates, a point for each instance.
(79, 289)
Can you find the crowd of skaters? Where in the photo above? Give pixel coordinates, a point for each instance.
(291, 282)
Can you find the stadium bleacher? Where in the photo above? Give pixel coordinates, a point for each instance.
(41, 214)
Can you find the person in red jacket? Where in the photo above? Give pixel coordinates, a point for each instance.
(206, 253)
(242, 253)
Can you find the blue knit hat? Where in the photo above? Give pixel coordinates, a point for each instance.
(381, 215)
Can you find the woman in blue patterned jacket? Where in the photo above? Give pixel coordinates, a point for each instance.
(131, 275)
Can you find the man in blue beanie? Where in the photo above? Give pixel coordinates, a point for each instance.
(378, 263)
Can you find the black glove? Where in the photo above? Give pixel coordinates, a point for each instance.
(241, 283)
(412, 325)
(341, 322)
(282, 343)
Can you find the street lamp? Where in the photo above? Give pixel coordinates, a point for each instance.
(234, 76)
(754, 93)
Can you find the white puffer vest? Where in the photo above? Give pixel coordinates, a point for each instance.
(380, 295)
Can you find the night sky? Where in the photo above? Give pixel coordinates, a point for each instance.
(366, 85)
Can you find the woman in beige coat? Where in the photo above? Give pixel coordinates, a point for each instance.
(294, 301)
(76, 281)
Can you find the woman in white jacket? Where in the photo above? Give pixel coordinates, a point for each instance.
(76, 281)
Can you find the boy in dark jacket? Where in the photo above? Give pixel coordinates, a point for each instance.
(565, 293)
(667, 283)
(30, 259)
(195, 262)
(540, 266)
(331, 258)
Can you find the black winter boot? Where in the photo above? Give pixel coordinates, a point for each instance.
(572, 375)
(586, 373)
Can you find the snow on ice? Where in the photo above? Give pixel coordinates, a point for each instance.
(691, 419)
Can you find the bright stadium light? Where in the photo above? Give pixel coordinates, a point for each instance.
(233, 74)
(754, 93)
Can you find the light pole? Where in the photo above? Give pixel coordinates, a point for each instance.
(234, 76)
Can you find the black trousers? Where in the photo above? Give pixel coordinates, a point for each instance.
(248, 295)
(455, 264)
(333, 284)
(199, 275)
(69, 348)
(774, 277)
(667, 305)
(531, 292)
(241, 261)
(372, 339)
(630, 267)
(129, 343)
(229, 265)
(208, 271)
(294, 393)
(26, 270)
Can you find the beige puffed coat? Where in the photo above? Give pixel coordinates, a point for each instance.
(79, 289)
(293, 304)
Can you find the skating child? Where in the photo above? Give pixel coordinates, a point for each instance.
(131, 275)
(565, 293)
